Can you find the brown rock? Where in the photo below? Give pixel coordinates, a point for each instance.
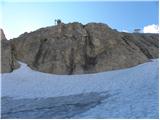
(76, 49)
(8, 61)
(2, 35)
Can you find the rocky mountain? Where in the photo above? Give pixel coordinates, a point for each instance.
(78, 49)
(8, 61)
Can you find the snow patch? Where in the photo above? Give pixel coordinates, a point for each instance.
(27, 83)
(134, 91)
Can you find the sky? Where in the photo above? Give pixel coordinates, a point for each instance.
(19, 17)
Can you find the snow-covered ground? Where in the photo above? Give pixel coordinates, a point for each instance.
(133, 92)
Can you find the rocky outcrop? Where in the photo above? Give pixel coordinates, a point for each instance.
(76, 49)
(8, 61)
(2, 35)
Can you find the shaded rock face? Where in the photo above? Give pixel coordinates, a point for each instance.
(2, 35)
(8, 61)
(77, 49)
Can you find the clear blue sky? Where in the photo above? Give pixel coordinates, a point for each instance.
(20, 17)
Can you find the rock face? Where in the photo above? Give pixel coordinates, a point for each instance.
(2, 35)
(77, 49)
(8, 61)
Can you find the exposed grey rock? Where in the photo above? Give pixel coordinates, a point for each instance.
(8, 61)
(2, 35)
(76, 49)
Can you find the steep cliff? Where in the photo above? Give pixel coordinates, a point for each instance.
(8, 61)
(77, 49)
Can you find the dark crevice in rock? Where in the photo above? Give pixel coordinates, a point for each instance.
(90, 61)
(144, 50)
(39, 53)
(145, 41)
(125, 39)
(89, 41)
(71, 64)
(152, 42)
(45, 54)
(148, 41)
(12, 60)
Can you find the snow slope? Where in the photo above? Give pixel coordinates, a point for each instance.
(134, 91)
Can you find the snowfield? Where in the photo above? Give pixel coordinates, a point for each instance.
(127, 93)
